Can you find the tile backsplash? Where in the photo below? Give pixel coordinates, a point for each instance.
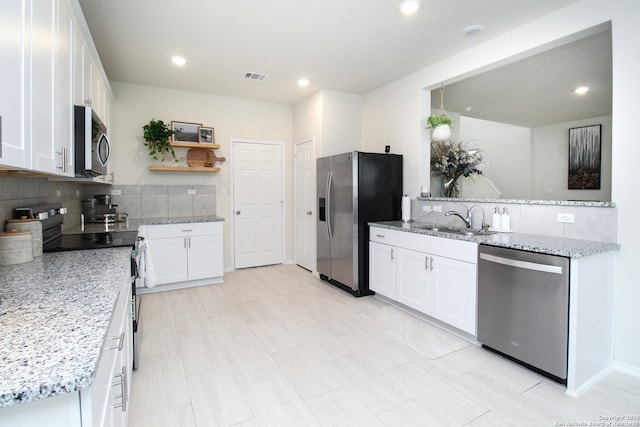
(149, 201)
(165, 201)
(598, 223)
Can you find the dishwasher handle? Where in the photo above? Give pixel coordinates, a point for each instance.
(546, 268)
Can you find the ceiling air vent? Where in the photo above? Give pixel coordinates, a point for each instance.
(255, 76)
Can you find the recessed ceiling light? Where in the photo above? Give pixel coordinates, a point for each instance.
(581, 90)
(472, 30)
(178, 60)
(303, 82)
(409, 6)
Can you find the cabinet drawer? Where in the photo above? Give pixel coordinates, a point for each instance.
(383, 235)
(181, 230)
(449, 248)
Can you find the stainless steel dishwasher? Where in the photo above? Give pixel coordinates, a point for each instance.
(523, 308)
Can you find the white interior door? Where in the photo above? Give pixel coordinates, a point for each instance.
(304, 206)
(258, 204)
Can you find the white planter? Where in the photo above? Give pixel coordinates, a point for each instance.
(441, 133)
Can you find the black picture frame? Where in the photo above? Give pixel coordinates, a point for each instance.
(585, 157)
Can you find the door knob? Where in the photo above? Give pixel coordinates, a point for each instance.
(308, 212)
(237, 212)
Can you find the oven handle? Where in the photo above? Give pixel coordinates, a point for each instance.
(545, 268)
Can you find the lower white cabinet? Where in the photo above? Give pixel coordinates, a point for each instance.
(433, 275)
(189, 254)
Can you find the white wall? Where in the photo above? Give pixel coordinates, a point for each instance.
(398, 111)
(550, 154)
(231, 117)
(507, 155)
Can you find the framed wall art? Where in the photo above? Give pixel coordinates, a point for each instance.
(185, 132)
(206, 135)
(585, 146)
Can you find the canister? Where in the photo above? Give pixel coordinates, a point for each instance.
(34, 226)
(16, 247)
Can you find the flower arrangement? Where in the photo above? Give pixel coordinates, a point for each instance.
(452, 161)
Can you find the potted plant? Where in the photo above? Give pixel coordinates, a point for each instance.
(441, 127)
(158, 134)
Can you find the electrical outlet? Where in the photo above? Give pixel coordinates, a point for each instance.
(429, 209)
(547, 190)
(116, 192)
(58, 193)
(191, 191)
(565, 217)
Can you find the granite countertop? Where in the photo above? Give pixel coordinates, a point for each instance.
(572, 248)
(132, 224)
(54, 315)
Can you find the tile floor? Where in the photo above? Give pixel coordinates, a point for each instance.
(275, 346)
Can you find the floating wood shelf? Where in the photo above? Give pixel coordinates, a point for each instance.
(183, 169)
(195, 145)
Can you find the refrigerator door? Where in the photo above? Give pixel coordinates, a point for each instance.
(342, 219)
(323, 255)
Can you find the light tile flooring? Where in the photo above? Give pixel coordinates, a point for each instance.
(275, 346)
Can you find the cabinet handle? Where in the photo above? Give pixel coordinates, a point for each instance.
(185, 242)
(123, 387)
(426, 262)
(120, 339)
(380, 236)
(189, 238)
(392, 253)
(187, 231)
(431, 266)
(133, 308)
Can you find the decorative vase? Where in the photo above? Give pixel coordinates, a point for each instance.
(441, 133)
(451, 188)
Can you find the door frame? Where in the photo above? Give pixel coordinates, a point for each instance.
(295, 193)
(232, 184)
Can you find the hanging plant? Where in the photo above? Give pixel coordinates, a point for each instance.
(157, 135)
(440, 123)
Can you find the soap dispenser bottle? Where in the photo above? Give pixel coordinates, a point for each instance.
(505, 220)
(495, 219)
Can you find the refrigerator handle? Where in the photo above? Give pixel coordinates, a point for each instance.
(329, 202)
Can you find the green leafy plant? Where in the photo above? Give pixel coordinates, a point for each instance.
(157, 135)
(435, 121)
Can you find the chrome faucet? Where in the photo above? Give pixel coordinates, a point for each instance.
(467, 220)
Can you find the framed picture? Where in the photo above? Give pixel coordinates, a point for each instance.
(206, 135)
(585, 157)
(185, 132)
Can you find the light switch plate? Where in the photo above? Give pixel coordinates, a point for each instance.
(116, 192)
(191, 191)
(566, 217)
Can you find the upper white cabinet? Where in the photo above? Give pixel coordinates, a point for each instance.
(14, 34)
(433, 275)
(48, 65)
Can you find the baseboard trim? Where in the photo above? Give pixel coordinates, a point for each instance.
(625, 368)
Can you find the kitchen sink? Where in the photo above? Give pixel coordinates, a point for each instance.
(452, 230)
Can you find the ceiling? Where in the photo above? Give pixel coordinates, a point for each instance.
(539, 90)
(351, 46)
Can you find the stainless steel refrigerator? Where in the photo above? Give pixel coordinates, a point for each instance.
(354, 189)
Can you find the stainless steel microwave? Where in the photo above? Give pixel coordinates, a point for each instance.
(92, 146)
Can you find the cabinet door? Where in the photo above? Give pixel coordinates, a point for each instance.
(382, 269)
(413, 279)
(455, 293)
(64, 90)
(205, 256)
(42, 86)
(169, 257)
(14, 32)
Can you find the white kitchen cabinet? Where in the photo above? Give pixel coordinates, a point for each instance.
(45, 59)
(454, 293)
(382, 269)
(433, 275)
(183, 255)
(14, 33)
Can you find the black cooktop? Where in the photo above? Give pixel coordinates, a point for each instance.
(72, 242)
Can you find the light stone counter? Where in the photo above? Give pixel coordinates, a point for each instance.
(571, 248)
(54, 315)
(132, 224)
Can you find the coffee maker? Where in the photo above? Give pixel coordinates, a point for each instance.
(99, 209)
